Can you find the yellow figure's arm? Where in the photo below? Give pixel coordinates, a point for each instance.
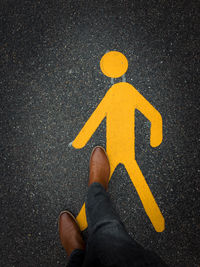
(154, 117)
(91, 125)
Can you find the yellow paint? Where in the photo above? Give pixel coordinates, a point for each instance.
(114, 64)
(118, 106)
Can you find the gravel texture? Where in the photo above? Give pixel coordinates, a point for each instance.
(50, 85)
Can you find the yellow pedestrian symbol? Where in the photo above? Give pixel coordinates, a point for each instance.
(118, 106)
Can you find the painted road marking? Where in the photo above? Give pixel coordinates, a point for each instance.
(118, 106)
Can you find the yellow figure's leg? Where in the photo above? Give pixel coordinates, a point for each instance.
(146, 196)
(81, 218)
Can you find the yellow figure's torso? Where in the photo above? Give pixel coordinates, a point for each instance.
(121, 122)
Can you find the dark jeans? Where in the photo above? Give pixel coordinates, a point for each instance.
(108, 243)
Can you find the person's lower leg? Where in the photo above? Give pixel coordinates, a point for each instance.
(99, 210)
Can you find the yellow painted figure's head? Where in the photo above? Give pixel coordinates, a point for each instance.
(114, 64)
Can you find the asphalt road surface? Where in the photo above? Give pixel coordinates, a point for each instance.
(51, 83)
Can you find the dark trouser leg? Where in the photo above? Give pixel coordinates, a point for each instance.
(76, 258)
(109, 244)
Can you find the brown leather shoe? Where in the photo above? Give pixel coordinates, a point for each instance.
(70, 234)
(99, 167)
